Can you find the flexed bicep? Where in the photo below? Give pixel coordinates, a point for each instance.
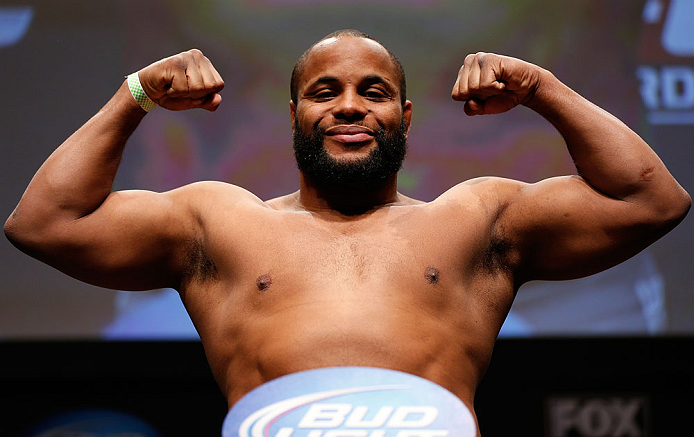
(136, 240)
(571, 226)
(562, 228)
(68, 216)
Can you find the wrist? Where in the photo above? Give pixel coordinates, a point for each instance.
(547, 94)
(123, 108)
(138, 93)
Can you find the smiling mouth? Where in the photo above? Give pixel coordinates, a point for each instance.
(349, 133)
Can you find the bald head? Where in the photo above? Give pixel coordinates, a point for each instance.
(301, 62)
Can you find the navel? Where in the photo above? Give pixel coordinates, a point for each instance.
(432, 275)
(263, 282)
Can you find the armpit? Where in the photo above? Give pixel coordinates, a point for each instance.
(496, 258)
(200, 266)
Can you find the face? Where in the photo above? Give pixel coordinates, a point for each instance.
(348, 121)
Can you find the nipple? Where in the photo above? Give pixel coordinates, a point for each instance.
(432, 275)
(263, 282)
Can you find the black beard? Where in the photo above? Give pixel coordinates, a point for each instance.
(325, 171)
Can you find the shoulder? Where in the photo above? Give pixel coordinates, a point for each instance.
(206, 194)
(207, 202)
(506, 192)
(490, 192)
(213, 189)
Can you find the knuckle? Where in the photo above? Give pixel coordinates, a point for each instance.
(483, 59)
(179, 61)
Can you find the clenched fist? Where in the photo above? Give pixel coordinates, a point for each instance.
(491, 84)
(183, 81)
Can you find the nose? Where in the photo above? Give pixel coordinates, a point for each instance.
(349, 107)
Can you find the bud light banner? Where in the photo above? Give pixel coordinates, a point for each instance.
(349, 402)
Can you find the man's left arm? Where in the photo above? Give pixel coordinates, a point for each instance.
(622, 200)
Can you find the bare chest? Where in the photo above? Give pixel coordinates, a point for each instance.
(393, 289)
(389, 250)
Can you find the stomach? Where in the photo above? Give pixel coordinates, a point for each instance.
(348, 333)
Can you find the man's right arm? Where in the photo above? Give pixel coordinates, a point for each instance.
(69, 218)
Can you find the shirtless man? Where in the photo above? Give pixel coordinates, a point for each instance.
(347, 271)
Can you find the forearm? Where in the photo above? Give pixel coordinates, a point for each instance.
(78, 176)
(611, 157)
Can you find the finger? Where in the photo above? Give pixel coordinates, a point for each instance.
(218, 80)
(460, 89)
(463, 89)
(197, 88)
(473, 81)
(211, 103)
(211, 77)
(178, 76)
(473, 107)
(490, 74)
(212, 82)
(455, 94)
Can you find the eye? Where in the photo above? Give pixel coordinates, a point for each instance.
(324, 94)
(376, 93)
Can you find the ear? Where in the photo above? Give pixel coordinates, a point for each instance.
(292, 113)
(407, 115)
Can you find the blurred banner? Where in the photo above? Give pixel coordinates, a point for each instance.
(62, 60)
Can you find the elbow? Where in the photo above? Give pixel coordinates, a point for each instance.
(12, 232)
(26, 234)
(18, 233)
(674, 208)
(656, 215)
(685, 205)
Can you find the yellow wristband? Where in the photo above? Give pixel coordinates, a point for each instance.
(138, 93)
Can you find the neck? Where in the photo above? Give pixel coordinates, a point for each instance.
(348, 199)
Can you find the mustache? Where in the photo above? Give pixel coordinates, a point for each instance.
(377, 130)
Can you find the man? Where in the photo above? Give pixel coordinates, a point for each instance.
(347, 271)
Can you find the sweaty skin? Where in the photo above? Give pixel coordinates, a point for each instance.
(333, 276)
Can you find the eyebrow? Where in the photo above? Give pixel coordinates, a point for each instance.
(370, 79)
(323, 80)
(374, 78)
